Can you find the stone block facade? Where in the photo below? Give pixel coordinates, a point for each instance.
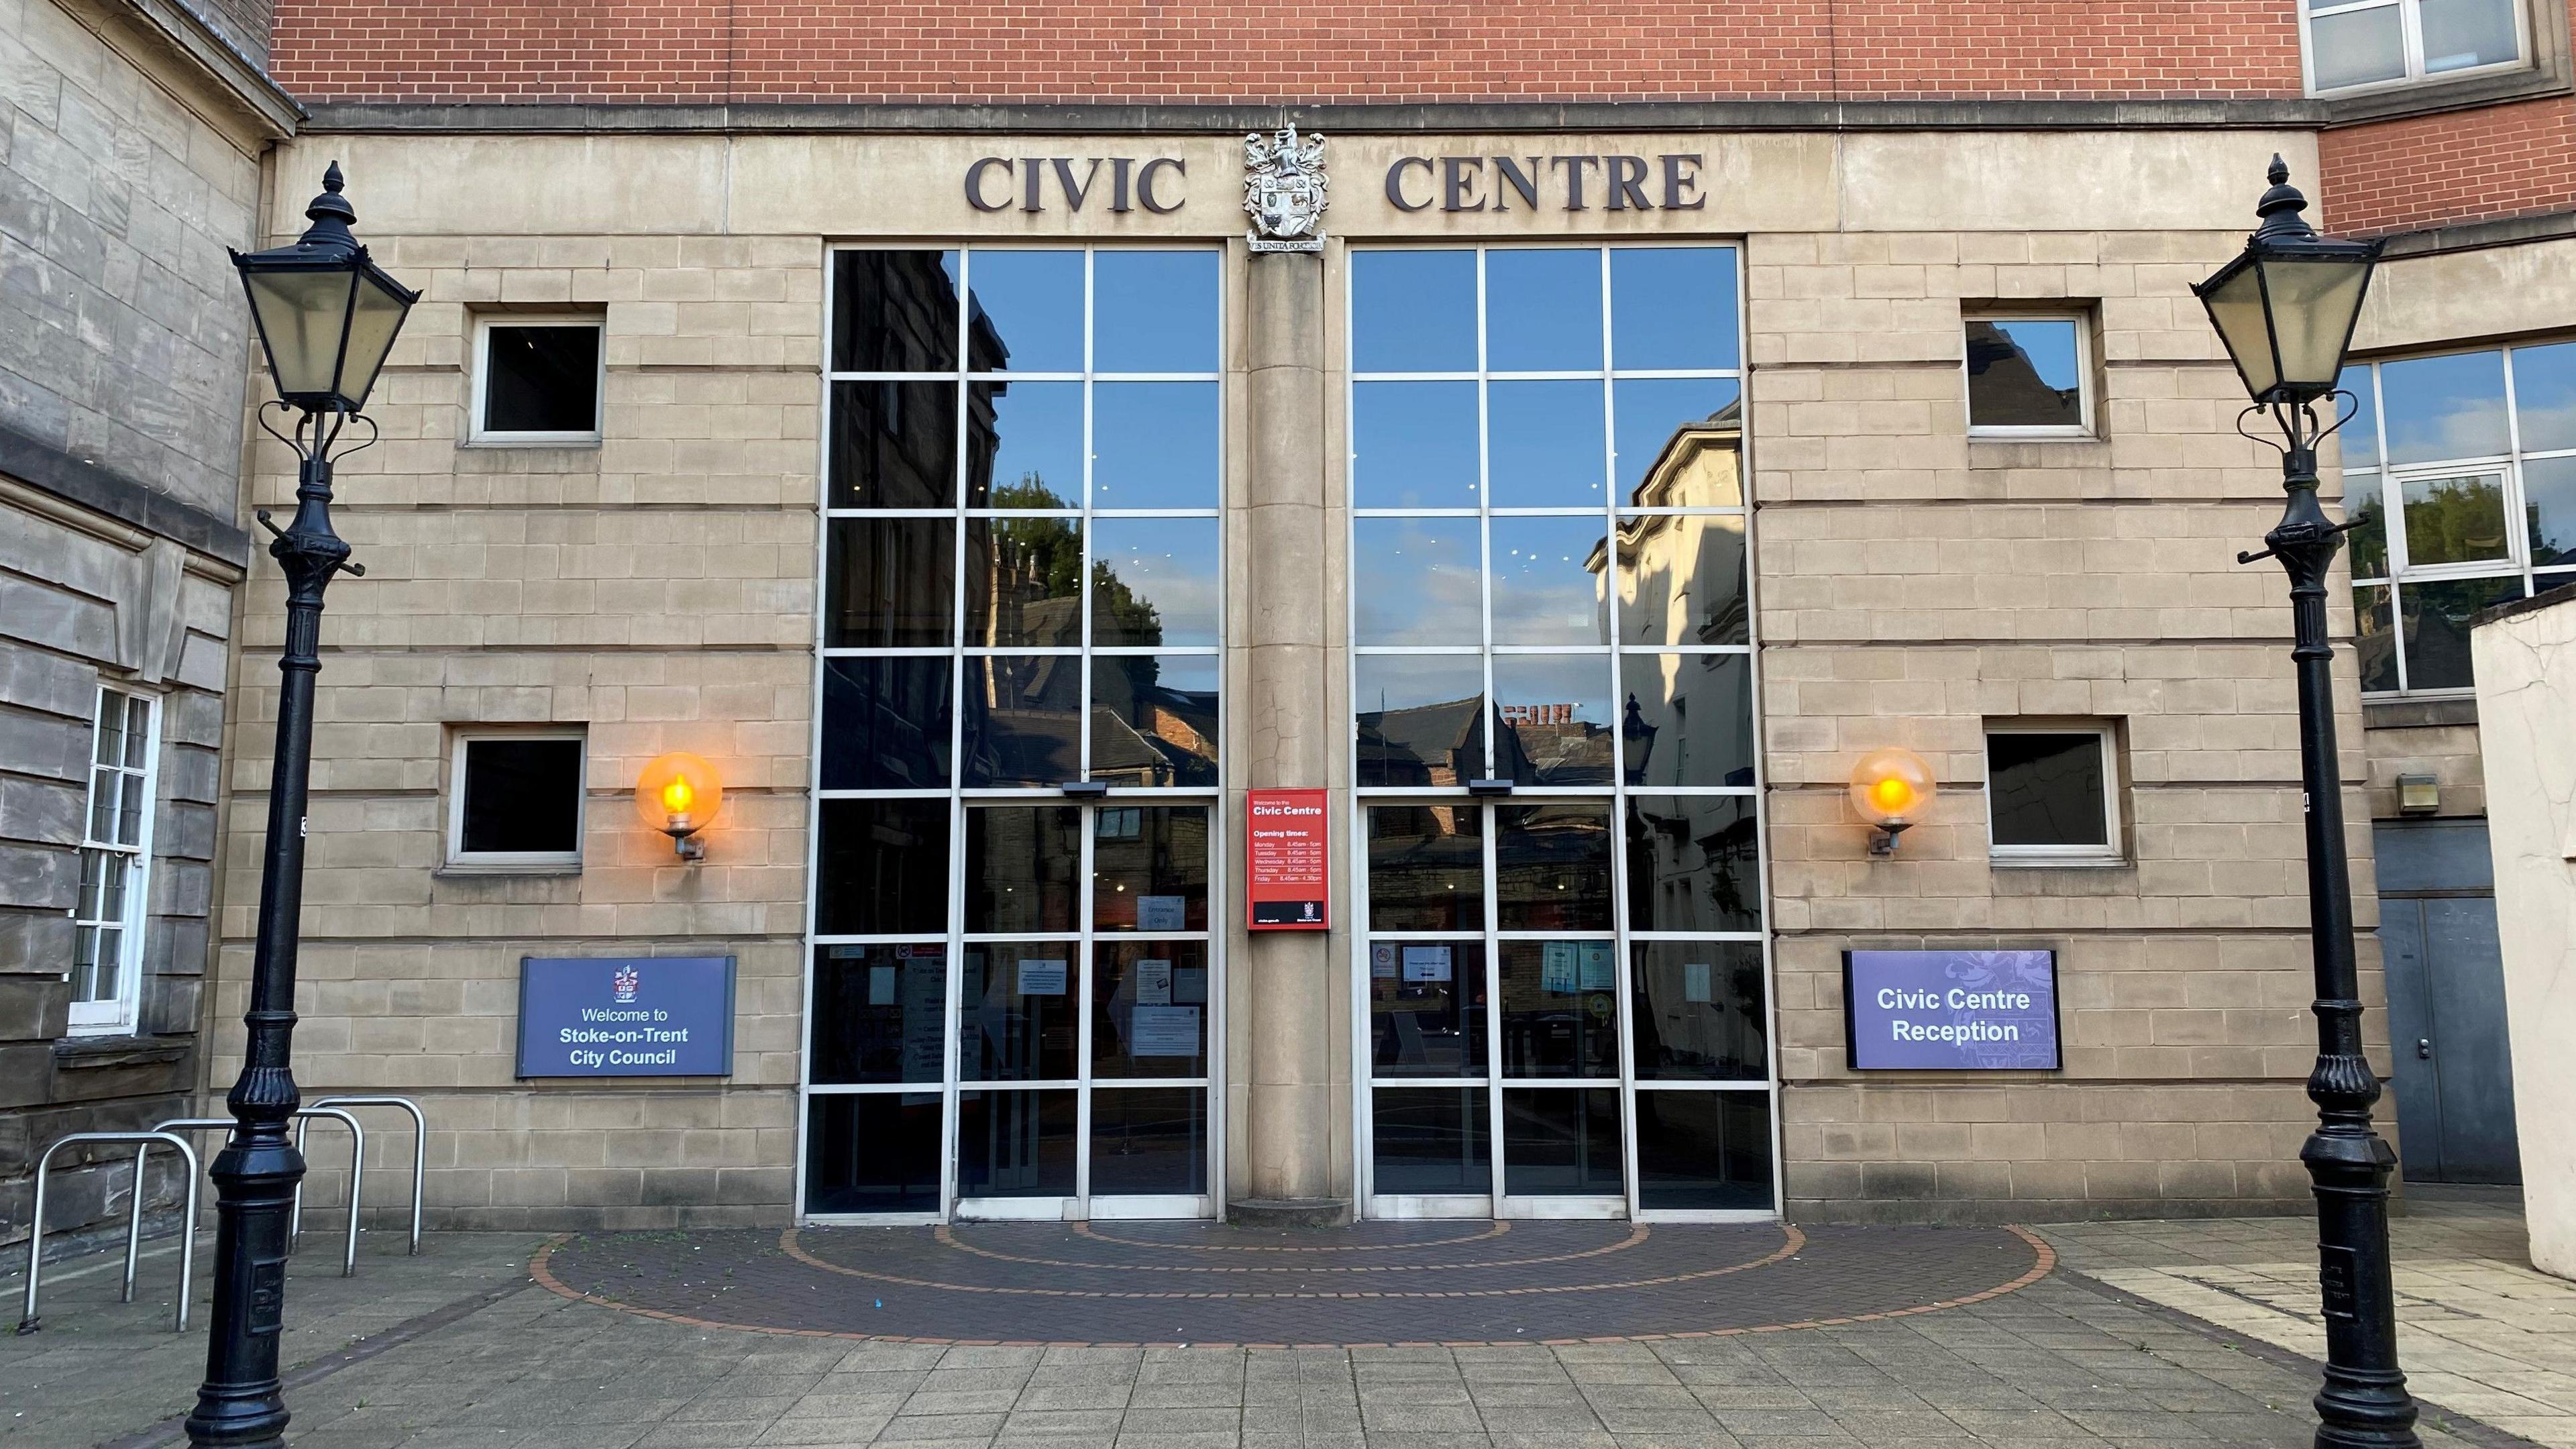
(1912, 585)
(130, 165)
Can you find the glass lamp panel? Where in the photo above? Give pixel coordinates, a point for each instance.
(373, 322)
(2236, 310)
(2313, 303)
(301, 314)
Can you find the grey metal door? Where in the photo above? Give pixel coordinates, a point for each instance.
(2446, 1024)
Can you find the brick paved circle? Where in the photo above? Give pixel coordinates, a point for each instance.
(1376, 1283)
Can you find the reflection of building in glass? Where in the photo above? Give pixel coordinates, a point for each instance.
(1430, 744)
(2009, 389)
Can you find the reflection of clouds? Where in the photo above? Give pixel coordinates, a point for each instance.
(1418, 581)
(1543, 591)
(1171, 565)
(2444, 407)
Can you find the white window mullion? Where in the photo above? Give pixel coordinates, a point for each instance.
(115, 865)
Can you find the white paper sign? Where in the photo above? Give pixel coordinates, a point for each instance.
(1164, 1031)
(1162, 913)
(1695, 983)
(1426, 963)
(1597, 975)
(1153, 983)
(1042, 978)
(1189, 983)
(1382, 963)
(1556, 974)
(880, 986)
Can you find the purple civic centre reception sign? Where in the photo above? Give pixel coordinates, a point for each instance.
(626, 1016)
(1976, 1011)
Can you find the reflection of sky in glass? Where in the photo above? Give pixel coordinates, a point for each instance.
(1543, 591)
(1672, 307)
(1650, 410)
(2049, 343)
(1037, 433)
(1415, 581)
(1033, 302)
(2549, 491)
(1413, 311)
(1153, 311)
(1154, 445)
(1545, 444)
(1543, 311)
(1170, 563)
(2544, 396)
(2444, 407)
(1409, 681)
(1413, 445)
(2359, 437)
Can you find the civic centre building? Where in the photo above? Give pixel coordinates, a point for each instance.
(1535, 493)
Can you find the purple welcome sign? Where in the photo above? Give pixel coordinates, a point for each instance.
(1975, 1011)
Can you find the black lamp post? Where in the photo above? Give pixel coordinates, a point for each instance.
(327, 316)
(2285, 307)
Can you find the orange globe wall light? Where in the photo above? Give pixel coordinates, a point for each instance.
(679, 795)
(1893, 789)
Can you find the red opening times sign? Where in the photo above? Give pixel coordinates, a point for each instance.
(1286, 861)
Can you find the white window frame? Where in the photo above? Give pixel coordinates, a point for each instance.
(506, 861)
(116, 1015)
(2410, 31)
(477, 434)
(2084, 383)
(2113, 850)
(2388, 483)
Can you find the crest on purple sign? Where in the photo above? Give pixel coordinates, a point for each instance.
(1973, 1011)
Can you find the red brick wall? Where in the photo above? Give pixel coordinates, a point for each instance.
(1320, 51)
(2424, 171)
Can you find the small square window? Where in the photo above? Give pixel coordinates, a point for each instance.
(2030, 376)
(516, 799)
(537, 380)
(2052, 794)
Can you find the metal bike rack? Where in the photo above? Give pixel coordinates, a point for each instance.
(143, 1141)
(419, 1145)
(295, 1222)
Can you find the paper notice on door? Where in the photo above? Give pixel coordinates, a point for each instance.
(1597, 974)
(1164, 1031)
(1189, 984)
(1153, 983)
(1381, 963)
(1426, 963)
(1557, 974)
(1042, 978)
(1162, 913)
(1695, 983)
(880, 986)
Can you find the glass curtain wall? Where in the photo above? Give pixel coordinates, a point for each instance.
(2460, 471)
(1563, 1008)
(1012, 984)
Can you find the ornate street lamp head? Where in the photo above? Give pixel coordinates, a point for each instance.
(327, 314)
(2286, 305)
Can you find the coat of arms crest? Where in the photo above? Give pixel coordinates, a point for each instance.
(1284, 191)
(625, 982)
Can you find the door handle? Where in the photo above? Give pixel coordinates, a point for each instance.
(2424, 1047)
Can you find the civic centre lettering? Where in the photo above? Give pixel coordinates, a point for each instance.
(1951, 1010)
(626, 1016)
(1286, 860)
(1572, 183)
(998, 183)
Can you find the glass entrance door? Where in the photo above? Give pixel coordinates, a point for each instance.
(1556, 769)
(1012, 979)
(1078, 997)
